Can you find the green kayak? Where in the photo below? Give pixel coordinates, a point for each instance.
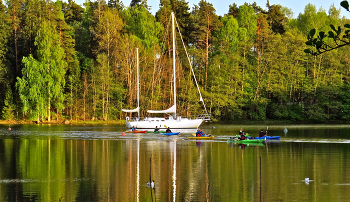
(149, 131)
(245, 141)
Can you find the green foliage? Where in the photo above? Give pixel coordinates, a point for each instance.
(228, 34)
(117, 4)
(315, 112)
(336, 37)
(142, 24)
(276, 18)
(72, 11)
(30, 87)
(257, 109)
(345, 103)
(206, 23)
(286, 111)
(43, 79)
(345, 4)
(4, 37)
(9, 107)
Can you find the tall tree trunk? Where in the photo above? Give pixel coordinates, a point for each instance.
(49, 95)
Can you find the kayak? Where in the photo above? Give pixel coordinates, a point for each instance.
(136, 131)
(201, 138)
(160, 131)
(245, 141)
(267, 137)
(171, 133)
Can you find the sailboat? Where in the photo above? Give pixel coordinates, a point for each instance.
(173, 121)
(138, 91)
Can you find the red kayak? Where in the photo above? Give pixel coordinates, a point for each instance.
(136, 131)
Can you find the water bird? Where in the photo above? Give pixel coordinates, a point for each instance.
(213, 127)
(150, 184)
(285, 130)
(307, 180)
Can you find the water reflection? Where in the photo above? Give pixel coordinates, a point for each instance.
(174, 171)
(138, 170)
(49, 163)
(198, 143)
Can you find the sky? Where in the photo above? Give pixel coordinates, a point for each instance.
(222, 6)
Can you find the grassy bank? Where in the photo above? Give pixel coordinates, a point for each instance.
(73, 122)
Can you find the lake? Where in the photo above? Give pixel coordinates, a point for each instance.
(99, 163)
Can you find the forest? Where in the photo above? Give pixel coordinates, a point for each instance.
(64, 61)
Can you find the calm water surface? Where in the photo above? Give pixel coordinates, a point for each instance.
(98, 163)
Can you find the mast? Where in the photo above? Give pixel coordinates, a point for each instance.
(138, 84)
(173, 26)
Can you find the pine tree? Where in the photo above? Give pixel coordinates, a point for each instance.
(72, 11)
(206, 22)
(9, 107)
(72, 70)
(117, 4)
(15, 13)
(276, 18)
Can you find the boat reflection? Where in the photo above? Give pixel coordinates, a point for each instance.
(243, 145)
(199, 143)
(174, 170)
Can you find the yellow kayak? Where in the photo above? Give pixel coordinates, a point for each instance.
(200, 138)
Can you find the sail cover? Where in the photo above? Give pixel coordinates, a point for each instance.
(131, 110)
(170, 110)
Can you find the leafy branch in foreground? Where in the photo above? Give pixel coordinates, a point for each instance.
(336, 38)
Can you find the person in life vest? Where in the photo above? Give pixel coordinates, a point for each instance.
(168, 130)
(242, 134)
(133, 128)
(200, 133)
(156, 129)
(262, 134)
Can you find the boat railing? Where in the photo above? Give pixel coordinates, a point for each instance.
(128, 119)
(205, 117)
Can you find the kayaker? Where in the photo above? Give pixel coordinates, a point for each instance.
(241, 133)
(199, 133)
(242, 137)
(262, 134)
(168, 130)
(133, 128)
(156, 129)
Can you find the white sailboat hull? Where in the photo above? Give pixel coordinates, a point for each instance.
(151, 123)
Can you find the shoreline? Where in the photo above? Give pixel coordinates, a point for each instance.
(64, 122)
(123, 122)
